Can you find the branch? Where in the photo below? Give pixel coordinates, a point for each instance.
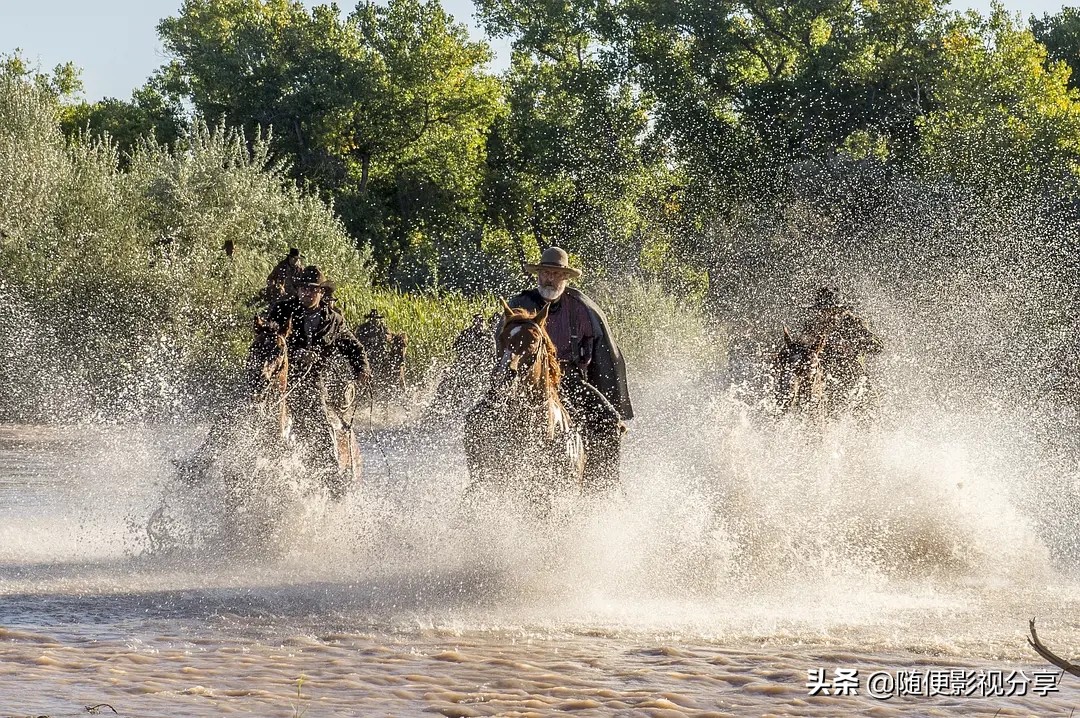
(1046, 653)
(769, 24)
(753, 49)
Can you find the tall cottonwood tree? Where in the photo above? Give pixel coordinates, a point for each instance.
(574, 162)
(385, 110)
(1004, 117)
(1060, 34)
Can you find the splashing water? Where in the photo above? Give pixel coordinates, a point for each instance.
(744, 549)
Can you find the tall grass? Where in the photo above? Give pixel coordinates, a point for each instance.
(431, 320)
(653, 327)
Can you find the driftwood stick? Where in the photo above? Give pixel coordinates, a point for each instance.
(1049, 655)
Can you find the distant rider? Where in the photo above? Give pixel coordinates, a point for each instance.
(322, 418)
(848, 340)
(281, 281)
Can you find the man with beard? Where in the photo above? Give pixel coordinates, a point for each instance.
(594, 373)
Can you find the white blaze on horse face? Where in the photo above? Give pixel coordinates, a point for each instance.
(504, 363)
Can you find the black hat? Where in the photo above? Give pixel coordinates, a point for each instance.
(312, 276)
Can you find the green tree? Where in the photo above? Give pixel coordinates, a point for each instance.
(385, 110)
(751, 83)
(149, 114)
(727, 96)
(574, 162)
(1004, 116)
(1060, 34)
(62, 83)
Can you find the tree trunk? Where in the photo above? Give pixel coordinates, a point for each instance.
(365, 169)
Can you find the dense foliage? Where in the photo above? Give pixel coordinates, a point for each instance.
(624, 131)
(645, 136)
(116, 276)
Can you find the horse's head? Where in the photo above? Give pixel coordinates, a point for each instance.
(525, 350)
(795, 364)
(268, 359)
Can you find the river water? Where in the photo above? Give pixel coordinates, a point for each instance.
(746, 558)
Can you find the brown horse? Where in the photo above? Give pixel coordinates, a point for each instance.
(262, 417)
(386, 354)
(267, 368)
(519, 437)
(295, 410)
(823, 372)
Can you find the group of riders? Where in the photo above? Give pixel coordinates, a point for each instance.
(820, 367)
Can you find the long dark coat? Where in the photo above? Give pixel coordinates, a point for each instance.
(316, 349)
(607, 371)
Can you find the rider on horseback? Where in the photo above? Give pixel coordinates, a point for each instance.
(386, 355)
(281, 282)
(846, 340)
(317, 337)
(593, 372)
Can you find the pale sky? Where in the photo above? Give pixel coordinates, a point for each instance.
(115, 41)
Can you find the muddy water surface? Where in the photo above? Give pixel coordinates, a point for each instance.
(740, 561)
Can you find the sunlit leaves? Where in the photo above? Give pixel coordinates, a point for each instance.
(1003, 114)
(385, 110)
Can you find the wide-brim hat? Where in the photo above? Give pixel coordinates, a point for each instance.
(312, 276)
(554, 258)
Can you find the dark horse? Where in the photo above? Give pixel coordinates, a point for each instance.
(261, 418)
(386, 353)
(799, 376)
(268, 374)
(519, 437)
(244, 446)
(822, 374)
(259, 431)
(289, 410)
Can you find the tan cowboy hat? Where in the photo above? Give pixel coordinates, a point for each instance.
(312, 276)
(553, 258)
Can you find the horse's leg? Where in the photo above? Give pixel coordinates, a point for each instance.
(344, 471)
(473, 441)
(601, 431)
(347, 471)
(480, 456)
(603, 450)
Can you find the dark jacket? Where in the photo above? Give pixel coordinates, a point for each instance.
(607, 371)
(309, 354)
